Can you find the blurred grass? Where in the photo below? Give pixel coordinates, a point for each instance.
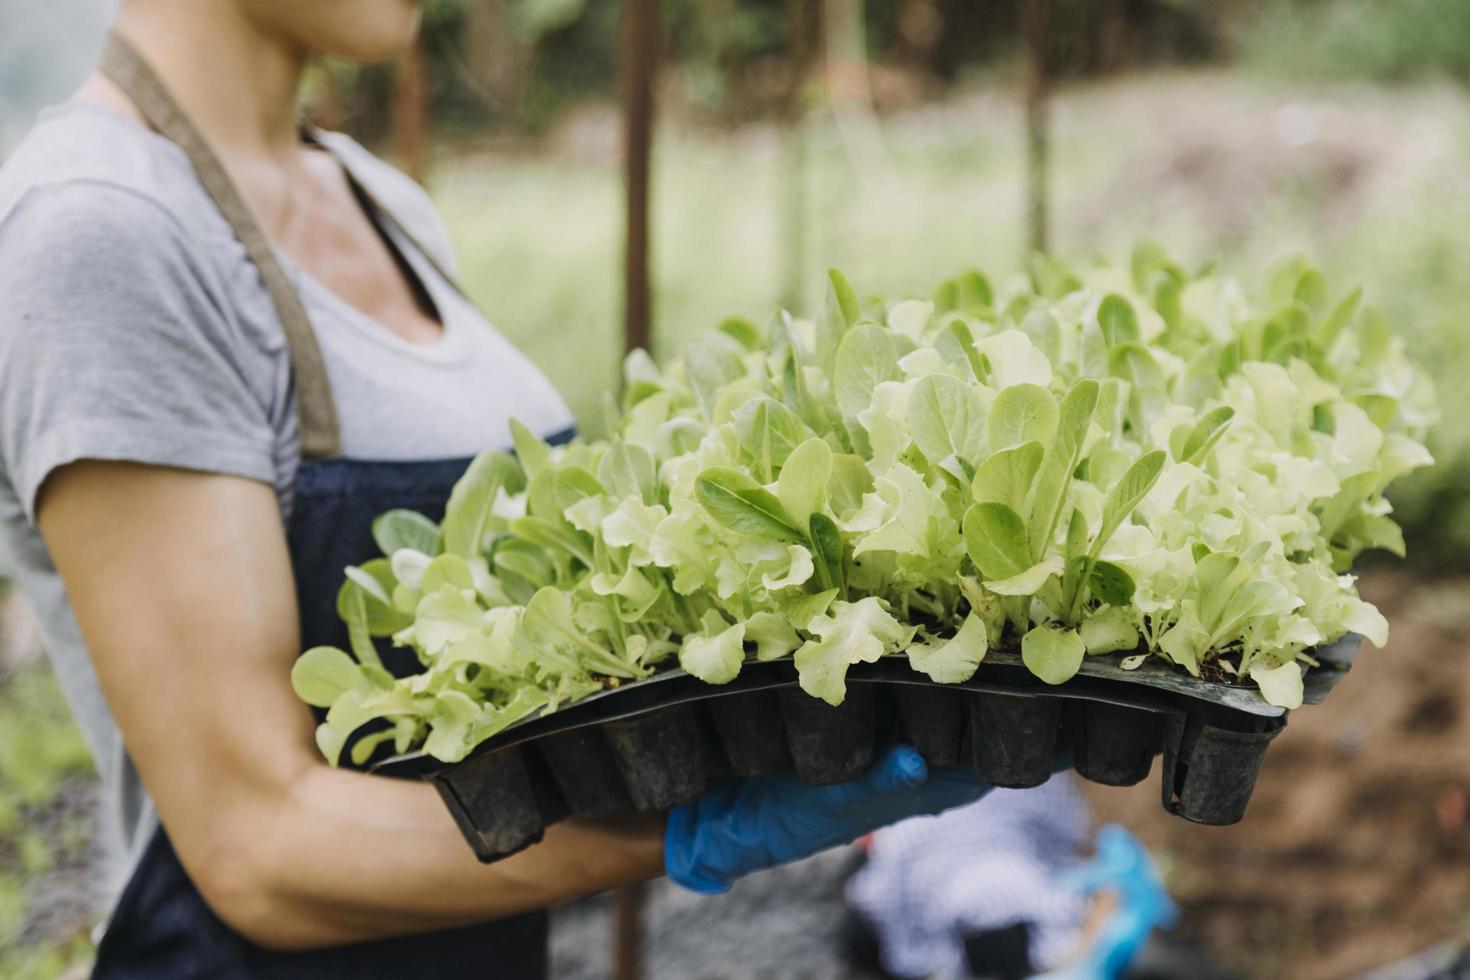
(42, 760)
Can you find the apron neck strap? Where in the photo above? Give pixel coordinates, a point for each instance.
(312, 135)
(320, 434)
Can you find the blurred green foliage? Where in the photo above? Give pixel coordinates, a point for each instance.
(41, 754)
(520, 64)
(1375, 40)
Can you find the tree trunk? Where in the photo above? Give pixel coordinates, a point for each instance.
(639, 53)
(1112, 35)
(410, 110)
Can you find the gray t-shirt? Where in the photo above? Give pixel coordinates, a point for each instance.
(134, 327)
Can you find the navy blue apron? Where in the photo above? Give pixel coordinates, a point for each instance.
(162, 929)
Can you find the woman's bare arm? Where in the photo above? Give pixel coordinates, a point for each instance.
(182, 585)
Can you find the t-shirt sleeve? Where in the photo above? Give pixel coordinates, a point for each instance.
(115, 344)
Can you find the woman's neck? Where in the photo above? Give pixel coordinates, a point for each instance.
(237, 83)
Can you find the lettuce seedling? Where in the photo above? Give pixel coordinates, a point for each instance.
(1080, 463)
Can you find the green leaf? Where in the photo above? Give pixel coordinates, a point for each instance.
(1007, 477)
(802, 485)
(352, 607)
(865, 359)
(468, 516)
(711, 362)
(1028, 582)
(445, 617)
(995, 539)
(850, 481)
(1326, 332)
(374, 582)
(447, 571)
(1128, 494)
(574, 483)
(1052, 654)
(1020, 414)
(955, 660)
(363, 748)
(827, 550)
(957, 346)
(553, 537)
(1111, 584)
(809, 608)
(851, 633)
(547, 624)
(842, 313)
(772, 635)
(399, 529)
(629, 470)
(714, 659)
(531, 450)
(323, 674)
(1050, 276)
(739, 503)
(330, 742)
(742, 331)
(1074, 552)
(1281, 686)
(1149, 396)
(768, 432)
(844, 298)
(968, 291)
(1116, 319)
(525, 561)
(1217, 576)
(1074, 418)
(946, 418)
(1108, 631)
(1206, 433)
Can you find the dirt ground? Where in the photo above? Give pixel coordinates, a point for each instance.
(1356, 850)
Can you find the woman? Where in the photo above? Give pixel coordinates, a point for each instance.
(225, 344)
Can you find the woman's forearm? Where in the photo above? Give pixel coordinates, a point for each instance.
(347, 857)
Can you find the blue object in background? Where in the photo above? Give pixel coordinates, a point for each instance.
(1122, 866)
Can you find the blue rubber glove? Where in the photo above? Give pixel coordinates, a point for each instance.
(742, 826)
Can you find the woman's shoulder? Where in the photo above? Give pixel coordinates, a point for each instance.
(90, 160)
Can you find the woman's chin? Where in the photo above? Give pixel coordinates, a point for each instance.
(364, 31)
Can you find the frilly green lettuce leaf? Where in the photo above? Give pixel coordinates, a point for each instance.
(953, 660)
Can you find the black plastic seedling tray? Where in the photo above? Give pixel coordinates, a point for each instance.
(658, 743)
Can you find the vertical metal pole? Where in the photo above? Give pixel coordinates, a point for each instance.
(1034, 30)
(639, 52)
(410, 111)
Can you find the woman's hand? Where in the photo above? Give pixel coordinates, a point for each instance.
(182, 586)
(740, 827)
